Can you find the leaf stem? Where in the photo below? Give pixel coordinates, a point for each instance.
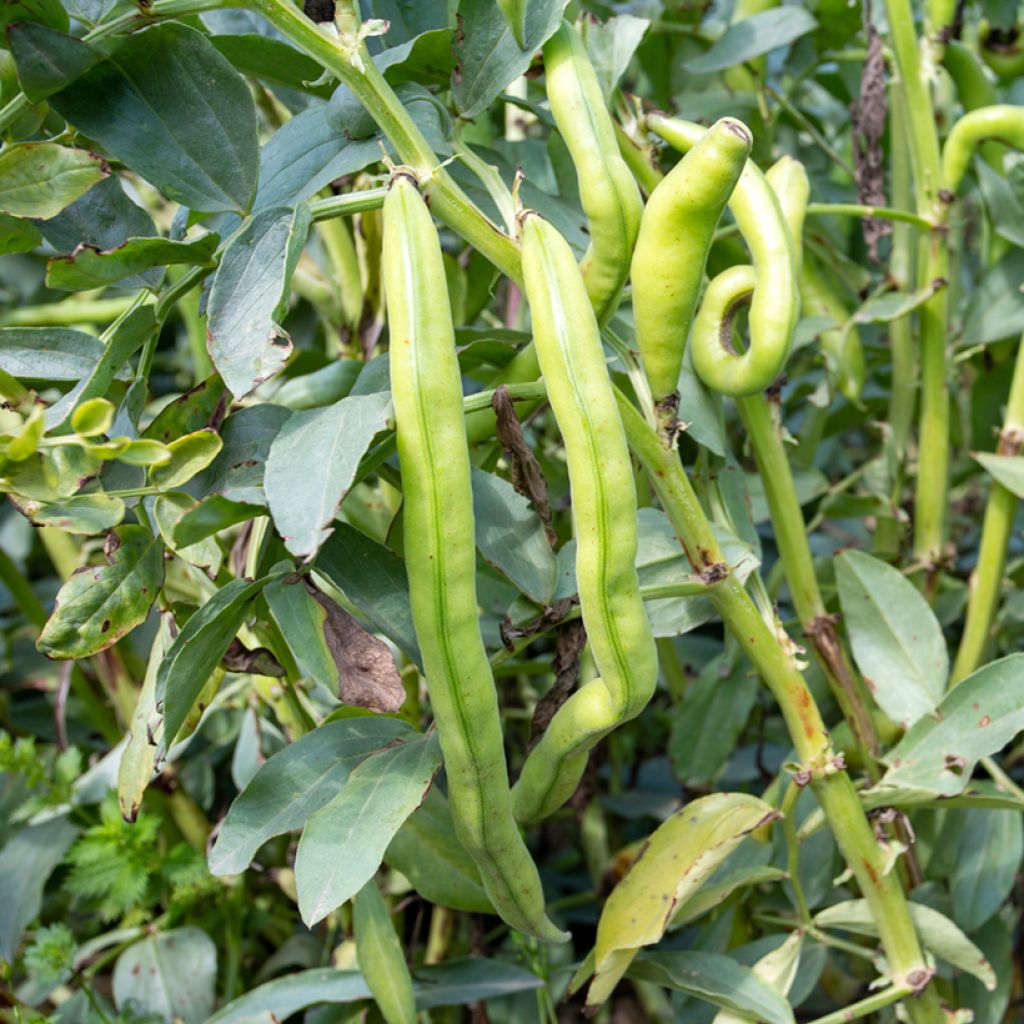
(888, 996)
(870, 212)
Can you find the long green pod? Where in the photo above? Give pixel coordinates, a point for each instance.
(1002, 122)
(671, 253)
(774, 304)
(974, 89)
(441, 559)
(608, 191)
(604, 514)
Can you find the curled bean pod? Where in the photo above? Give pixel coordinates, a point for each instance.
(974, 89)
(1002, 122)
(610, 196)
(774, 304)
(441, 557)
(1002, 50)
(841, 344)
(671, 254)
(604, 512)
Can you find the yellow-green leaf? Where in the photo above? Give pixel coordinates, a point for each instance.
(93, 417)
(189, 455)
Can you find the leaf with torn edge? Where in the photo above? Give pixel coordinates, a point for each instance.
(330, 646)
(677, 859)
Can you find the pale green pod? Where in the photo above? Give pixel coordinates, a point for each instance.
(604, 513)
(608, 191)
(671, 254)
(441, 559)
(1002, 122)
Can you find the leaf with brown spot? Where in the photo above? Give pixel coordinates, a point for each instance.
(100, 604)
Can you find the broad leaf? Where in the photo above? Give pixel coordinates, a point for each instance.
(759, 34)
(426, 852)
(101, 603)
(168, 512)
(203, 406)
(330, 646)
(26, 862)
(38, 179)
(197, 651)
(46, 12)
(676, 860)
(82, 513)
(1007, 470)
(312, 465)
(171, 974)
(88, 267)
(209, 517)
(510, 536)
(776, 968)
(249, 297)
(988, 858)
(373, 578)
(190, 454)
(489, 57)
(343, 844)
(897, 641)
(47, 60)
(50, 353)
(937, 933)
(295, 783)
(381, 955)
(17, 235)
(168, 105)
(979, 717)
(716, 978)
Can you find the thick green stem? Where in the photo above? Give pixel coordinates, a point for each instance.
(67, 313)
(832, 786)
(1000, 510)
(869, 213)
(795, 552)
(358, 72)
(870, 1004)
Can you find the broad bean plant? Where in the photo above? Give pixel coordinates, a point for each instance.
(511, 511)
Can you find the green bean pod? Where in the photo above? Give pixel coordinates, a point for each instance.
(774, 303)
(1002, 50)
(608, 191)
(1002, 122)
(671, 253)
(974, 89)
(441, 558)
(604, 513)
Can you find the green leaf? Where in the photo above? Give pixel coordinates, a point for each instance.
(996, 307)
(717, 979)
(977, 718)
(168, 512)
(172, 974)
(48, 60)
(453, 983)
(135, 769)
(295, 783)
(989, 854)
(776, 968)
(81, 513)
(715, 893)
(101, 603)
(706, 726)
(426, 852)
(190, 455)
(488, 55)
(897, 641)
(759, 34)
(210, 517)
(996, 941)
(306, 154)
(676, 860)
(612, 45)
(89, 267)
(1005, 469)
(47, 12)
(890, 306)
(274, 61)
(93, 417)
(937, 933)
(168, 105)
(17, 235)
(381, 956)
(312, 465)
(27, 860)
(373, 579)
(249, 296)
(197, 651)
(49, 353)
(124, 340)
(38, 179)
(343, 844)
(511, 537)
(203, 406)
